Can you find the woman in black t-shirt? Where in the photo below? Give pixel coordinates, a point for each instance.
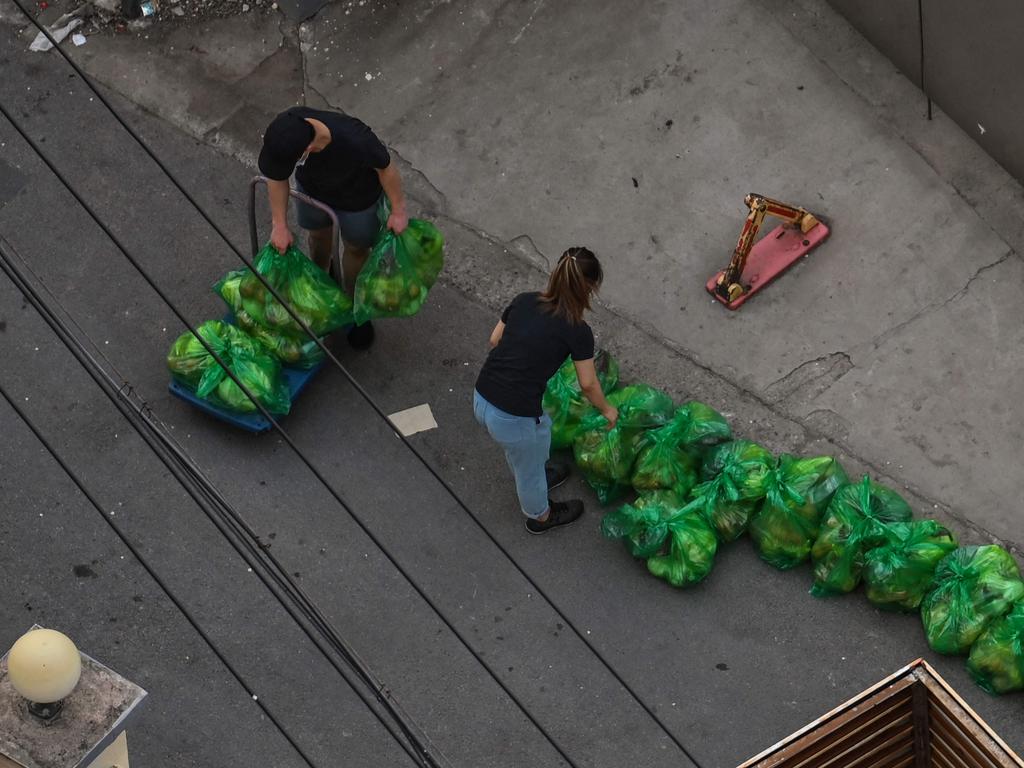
(534, 336)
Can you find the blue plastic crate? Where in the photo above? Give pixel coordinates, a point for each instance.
(251, 422)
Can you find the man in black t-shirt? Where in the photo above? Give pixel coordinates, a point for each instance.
(338, 161)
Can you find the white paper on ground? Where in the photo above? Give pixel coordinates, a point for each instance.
(78, 39)
(412, 420)
(42, 44)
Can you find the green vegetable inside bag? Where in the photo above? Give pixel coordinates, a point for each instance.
(857, 520)
(566, 404)
(691, 550)
(308, 290)
(997, 656)
(194, 367)
(670, 456)
(796, 492)
(605, 456)
(643, 525)
(399, 271)
(898, 573)
(721, 505)
(972, 586)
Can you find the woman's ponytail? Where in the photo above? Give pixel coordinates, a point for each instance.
(576, 276)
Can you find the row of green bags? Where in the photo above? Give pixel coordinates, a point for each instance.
(196, 368)
(695, 492)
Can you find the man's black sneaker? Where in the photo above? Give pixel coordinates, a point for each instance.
(361, 336)
(559, 513)
(556, 474)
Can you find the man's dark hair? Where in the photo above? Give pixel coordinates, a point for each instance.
(284, 141)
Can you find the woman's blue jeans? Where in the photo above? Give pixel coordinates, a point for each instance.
(527, 444)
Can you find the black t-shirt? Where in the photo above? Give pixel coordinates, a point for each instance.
(343, 174)
(534, 344)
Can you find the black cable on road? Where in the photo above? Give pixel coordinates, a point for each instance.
(358, 388)
(292, 444)
(242, 538)
(154, 575)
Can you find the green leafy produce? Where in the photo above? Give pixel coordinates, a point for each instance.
(662, 462)
(898, 573)
(700, 425)
(746, 463)
(308, 290)
(194, 367)
(566, 404)
(857, 520)
(641, 406)
(643, 525)
(605, 456)
(691, 550)
(721, 505)
(972, 586)
(997, 656)
(670, 456)
(796, 492)
(399, 271)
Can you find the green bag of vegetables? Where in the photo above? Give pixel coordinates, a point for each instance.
(605, 456)
(857, 520)
(566, 404)
(399, 271)
(192, 365)
(796, 493)
(643, 525)
(691, 550)
(972, 586)
(308, 290)
(662, 462)
(699, 425)
(670, 456)
(898, 573)
(722, 506)
(641, 406)
(746, 462)
(997, 657)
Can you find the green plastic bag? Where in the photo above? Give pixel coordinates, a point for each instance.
(663, 463)
(643, 525)
(746, 463)
(308, 290)
(670, 456)
(641, 406)
(898, 573)
(605, 456)
(566, 404)
(972, 586)
(997, 657)
(192, 365)
(399, 271)
(796, 492)
(857, 520)
(691, 550)
(721, 505)
(699, 425)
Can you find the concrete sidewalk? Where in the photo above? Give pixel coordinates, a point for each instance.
(638, 131)
(730, 666)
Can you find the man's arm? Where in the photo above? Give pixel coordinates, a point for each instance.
(392, 184)
(280, 235)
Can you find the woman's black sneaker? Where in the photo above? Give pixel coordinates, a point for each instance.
(556, 473)
(559, 513)
(361, 336)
